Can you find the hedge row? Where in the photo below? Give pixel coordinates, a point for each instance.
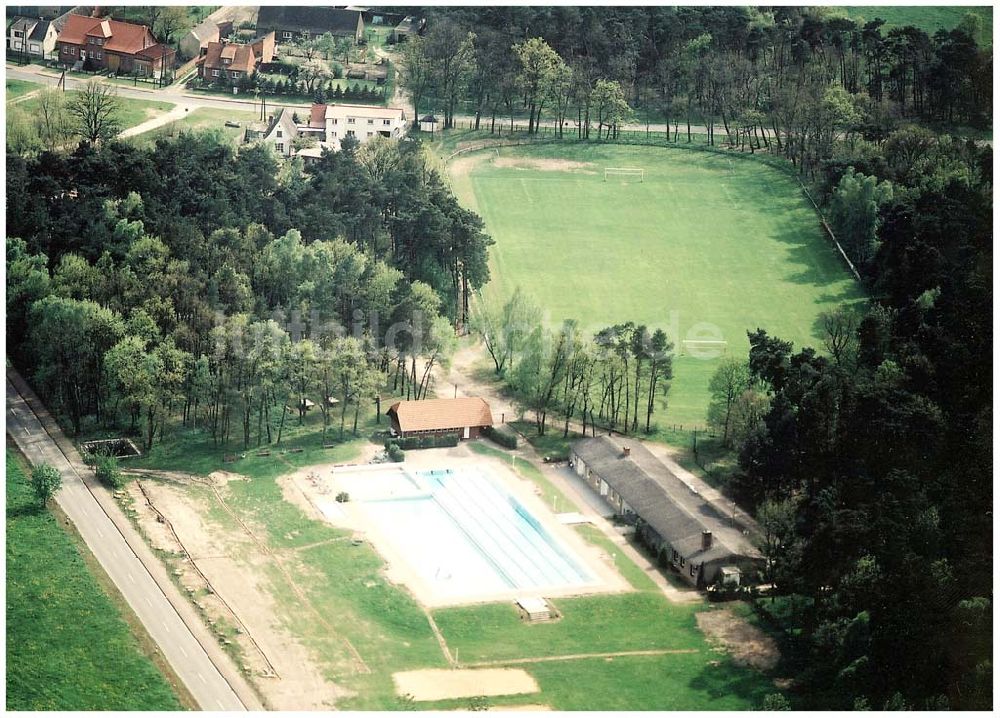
(429, 441)
(506, 439)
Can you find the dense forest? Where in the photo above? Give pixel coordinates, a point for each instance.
(176, 280)
(794, 78)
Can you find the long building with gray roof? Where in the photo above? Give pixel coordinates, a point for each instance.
(682, 528)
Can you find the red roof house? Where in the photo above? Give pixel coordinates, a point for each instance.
(228, 63)
(105, 44)
(465, 416)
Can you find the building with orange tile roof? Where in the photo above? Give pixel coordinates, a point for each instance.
(106, 44)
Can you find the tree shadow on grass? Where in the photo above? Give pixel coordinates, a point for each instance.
(24, 510)
(804, 251)
(728, 679)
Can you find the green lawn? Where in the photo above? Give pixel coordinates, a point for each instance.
(68, 647)
(708, 246)
(131, 113)
(17, 88)
(928, 18)
(201, 119)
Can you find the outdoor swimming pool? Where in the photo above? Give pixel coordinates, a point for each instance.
(465, 535)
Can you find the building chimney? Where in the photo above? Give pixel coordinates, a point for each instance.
(626, 451)
(706, 540)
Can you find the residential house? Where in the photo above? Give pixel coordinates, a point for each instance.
(465, 416)
(31, 37)
(705, 542)
(279, 132)
(123, 48)
(330, 124)
(229, 63)
(293, 23)
(201, 35)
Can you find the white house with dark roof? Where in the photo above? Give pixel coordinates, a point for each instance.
(33, 37)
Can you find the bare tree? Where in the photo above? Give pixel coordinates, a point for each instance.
(50, 118)
(95, 110)
(840, 334)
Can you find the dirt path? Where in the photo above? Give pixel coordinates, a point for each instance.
(236, 582)
(175, 114)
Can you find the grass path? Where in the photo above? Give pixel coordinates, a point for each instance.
(578, 656)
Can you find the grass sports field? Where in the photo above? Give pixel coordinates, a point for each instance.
(928, 18)
(68, 648)
(706, 246)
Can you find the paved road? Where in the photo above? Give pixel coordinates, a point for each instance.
(169, 619)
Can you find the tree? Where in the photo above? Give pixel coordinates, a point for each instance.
(840, 334)
(541, 370)
(504, 328)
(608, 101)
(854, 213)
(108, 473)
(538, 63)
(728, 383)
(416, 73)
(50, 117)
(776, 702)
(171, 19)
(46, 481)
(95, 112)
(661, 368)
(314, 71)
(450, 54)
(777, 525)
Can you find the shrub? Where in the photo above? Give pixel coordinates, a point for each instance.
(108, 473)
(430, 441)
(505, 438)
(343, 497)
(395, 453)
(46, 481)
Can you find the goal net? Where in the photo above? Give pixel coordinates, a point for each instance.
(624, 172)
(704, 348)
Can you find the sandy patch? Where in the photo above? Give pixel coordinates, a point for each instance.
(747, 644)
(545, 165)
(231, 581)
(441, 684)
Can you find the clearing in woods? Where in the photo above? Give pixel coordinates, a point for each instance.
(707, 247)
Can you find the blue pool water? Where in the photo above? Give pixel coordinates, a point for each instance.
(465, 534)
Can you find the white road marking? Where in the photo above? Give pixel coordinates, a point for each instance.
(183, 652)
(202, 679)
(130, 578)
(166, 628)
(148, 602)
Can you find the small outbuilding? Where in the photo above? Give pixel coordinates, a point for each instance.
(428, 123)
(466, 416)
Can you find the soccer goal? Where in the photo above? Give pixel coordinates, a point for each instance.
(631, 172)
(704, 348)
